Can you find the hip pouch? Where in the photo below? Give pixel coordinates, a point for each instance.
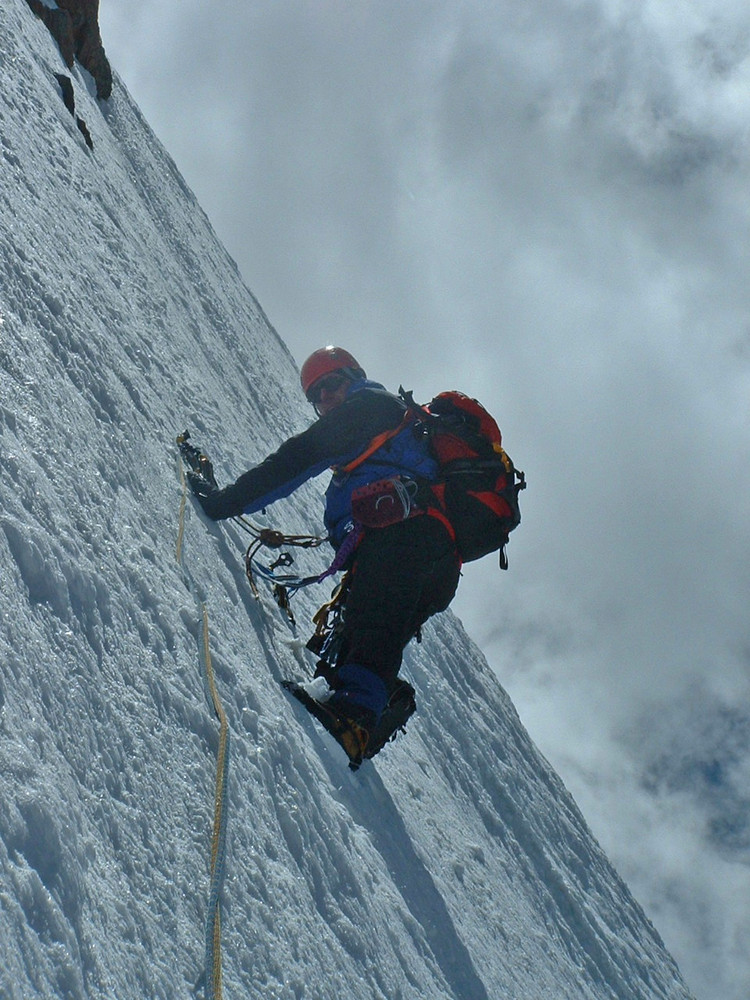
(384, 502)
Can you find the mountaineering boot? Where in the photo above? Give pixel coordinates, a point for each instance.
(357, 689)
(358, 730)
(356, 725)
(400, 708)
(350, 725)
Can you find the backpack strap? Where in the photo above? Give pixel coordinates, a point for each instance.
(441, 516)
(377, 442)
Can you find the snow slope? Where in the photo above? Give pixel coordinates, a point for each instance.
(457, 866)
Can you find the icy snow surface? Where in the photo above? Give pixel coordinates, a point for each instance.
(455, 866)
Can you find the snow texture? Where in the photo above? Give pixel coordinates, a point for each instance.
(454, 866)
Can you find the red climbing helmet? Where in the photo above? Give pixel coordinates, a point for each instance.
(326, 360)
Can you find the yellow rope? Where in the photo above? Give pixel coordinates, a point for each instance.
(218, 839)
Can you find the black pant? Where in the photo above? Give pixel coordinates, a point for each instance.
(401, 576)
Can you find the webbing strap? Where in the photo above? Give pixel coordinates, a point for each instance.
(443, 518)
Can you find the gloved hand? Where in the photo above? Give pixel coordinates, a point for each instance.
(199, 485)
(206, 469)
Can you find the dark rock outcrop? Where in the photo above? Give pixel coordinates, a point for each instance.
(66, 87)
(74, 24)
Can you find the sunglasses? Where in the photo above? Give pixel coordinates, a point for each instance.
(330, 383)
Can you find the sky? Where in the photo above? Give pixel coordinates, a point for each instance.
(544, 205)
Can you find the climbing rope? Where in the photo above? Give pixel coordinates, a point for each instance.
(283, 585)
(270, 539)
(219, 836)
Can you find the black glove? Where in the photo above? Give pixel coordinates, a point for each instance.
(200, 486)
(206, 469)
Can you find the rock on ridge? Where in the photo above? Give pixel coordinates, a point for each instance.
(74, 24)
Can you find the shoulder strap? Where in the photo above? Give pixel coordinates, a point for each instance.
(412, 413)
(377, 442)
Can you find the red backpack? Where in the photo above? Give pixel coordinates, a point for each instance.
(479, 485)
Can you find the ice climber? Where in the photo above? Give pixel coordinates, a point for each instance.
(401, 572)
